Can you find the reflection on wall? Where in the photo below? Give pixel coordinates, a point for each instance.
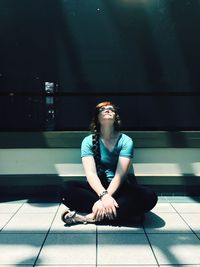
(149, 49)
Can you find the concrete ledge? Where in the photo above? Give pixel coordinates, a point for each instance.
(166, 161)
(72, 139)
(67, 161)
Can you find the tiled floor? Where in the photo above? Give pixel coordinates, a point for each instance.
(32, 234)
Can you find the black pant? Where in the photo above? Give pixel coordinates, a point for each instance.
(132, 199)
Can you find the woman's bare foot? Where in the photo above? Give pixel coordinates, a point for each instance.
(90, 217)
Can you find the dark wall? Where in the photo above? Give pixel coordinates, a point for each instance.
(145, 50)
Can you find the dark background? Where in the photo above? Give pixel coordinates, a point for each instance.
(141, 54)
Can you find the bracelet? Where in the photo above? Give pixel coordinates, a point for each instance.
(103, 194)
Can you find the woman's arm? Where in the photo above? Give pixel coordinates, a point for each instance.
(120, 174)
(91, 174)
(109, 204)
(108, 201)
(95, 183)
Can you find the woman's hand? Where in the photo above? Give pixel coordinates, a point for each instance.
(98, 211)
(110, 206)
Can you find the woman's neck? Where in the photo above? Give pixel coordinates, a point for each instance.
(108, 133)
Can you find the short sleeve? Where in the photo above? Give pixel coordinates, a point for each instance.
(127, 148)
(86, 147)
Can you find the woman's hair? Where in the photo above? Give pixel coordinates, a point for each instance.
(95, 129)
(95, 125)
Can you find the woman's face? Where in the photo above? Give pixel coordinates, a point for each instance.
(106, 113)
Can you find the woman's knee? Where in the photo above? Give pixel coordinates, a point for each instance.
(147, 198)
(151, 200)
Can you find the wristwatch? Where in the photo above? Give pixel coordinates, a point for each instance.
(103, 194)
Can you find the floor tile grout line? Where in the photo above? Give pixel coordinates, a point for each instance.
(26, 231)
(187, 224)
(13, 214)
(178, 213)
(96, 263)
(45, 238)
(192, 231)
(56, 212)
(150, 245)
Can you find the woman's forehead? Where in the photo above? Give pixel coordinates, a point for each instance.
(107, 106)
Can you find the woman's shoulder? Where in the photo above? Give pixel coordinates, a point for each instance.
(87, 139)
(126, 138)
(86, 146)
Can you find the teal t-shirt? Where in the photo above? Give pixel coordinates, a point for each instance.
(124, 147)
